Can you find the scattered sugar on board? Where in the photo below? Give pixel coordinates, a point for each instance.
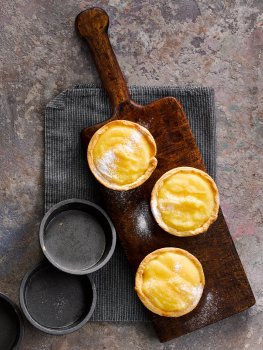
(207, 311)
(121, 198)
(142, 223)
(142, 219)
(145, 123)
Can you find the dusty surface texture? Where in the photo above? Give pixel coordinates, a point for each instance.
(217, 43)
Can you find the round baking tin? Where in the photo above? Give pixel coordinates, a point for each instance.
(56, 302)
(77, 236)
(11, 324)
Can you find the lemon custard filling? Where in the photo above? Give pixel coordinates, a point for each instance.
(185, 201)
(170, 282)
(122, 153)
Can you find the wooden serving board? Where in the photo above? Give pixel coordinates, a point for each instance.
(227, 290)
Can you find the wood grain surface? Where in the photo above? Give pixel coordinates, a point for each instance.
(227, 290)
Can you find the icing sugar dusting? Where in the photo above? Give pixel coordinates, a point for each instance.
(207, 312)
(177, 267)
(193, 292)
(133, 141)
(185, 288)
(142, 219)
(146, 123)
(122, 198)
(136, 137)
(106, 164)
(167, 207)
(142, 223)
(197, 291)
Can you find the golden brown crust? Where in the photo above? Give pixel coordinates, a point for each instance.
(139, 282)
(141, 179)
(157, 215)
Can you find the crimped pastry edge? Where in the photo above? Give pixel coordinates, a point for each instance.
(141, 179)
(157, 214)
(139, 282)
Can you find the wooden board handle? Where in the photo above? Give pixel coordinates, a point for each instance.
(92, 24)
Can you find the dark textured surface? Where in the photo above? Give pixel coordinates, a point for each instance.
(55, 301)
(203, 42)
(67, 175)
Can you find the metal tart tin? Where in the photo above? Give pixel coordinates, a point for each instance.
(57, 302)
(77, 236)
(11, 324)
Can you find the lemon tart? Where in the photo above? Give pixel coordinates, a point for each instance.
(170, 282)
(185, 201)
(121, 155)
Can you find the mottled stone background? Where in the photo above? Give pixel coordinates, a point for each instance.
(174, 42)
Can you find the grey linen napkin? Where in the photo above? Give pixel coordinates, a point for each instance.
(67, 174)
